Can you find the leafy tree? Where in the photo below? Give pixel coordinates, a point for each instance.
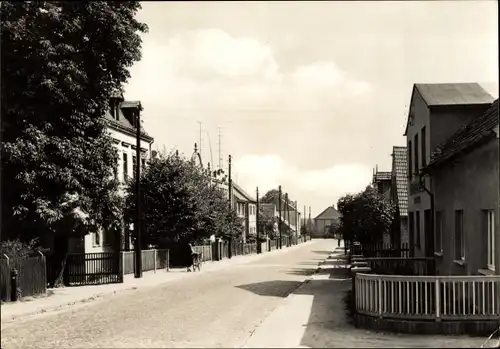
(180, 204)
(61, 61)
(366, 216)
(267, 225)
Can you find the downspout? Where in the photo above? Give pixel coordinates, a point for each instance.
(431, 196)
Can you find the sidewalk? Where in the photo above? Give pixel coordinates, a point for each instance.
(315, 316)
(61, 298)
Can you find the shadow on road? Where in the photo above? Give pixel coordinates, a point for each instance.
(278, 288)
(322, 252)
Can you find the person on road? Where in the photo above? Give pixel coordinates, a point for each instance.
(191, 257)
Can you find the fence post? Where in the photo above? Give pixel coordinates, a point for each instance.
(13, 285)
(168, 260)
(121, 264)
(380, 300)
(154, 256)
(437, 294)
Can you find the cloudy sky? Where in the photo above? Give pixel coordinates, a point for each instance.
(309, 95)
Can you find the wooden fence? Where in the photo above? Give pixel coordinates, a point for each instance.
(31, 276)
(92, 269)
(383, 250)
(428, 297)
(402, 266)
(151, 260)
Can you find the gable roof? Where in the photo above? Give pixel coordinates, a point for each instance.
(399, 172)
(329, 213)
(480, 128)
(455, 94)
(123, 123)
(382, 176)
(242, 193)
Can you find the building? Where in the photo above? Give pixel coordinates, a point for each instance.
(382, 182)
(464, 174)
(436, 112)
(290, 216)
(246, 208)
(121, 122)
(325, 219)
(399, 193)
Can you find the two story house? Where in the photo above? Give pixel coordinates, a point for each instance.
(121, 119)
(325, 219)
(436, 112)
(464, 173)
(246, 208)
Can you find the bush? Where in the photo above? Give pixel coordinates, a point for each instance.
(16, 249)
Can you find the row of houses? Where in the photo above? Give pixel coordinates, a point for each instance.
(445, 182)
(122, 126)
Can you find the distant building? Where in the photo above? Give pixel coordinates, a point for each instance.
(436, 112)
(400, 193)
(382, 182)
(464, 172)
(325, 219)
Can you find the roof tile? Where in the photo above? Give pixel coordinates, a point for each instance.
(467, 136)
(400, 171)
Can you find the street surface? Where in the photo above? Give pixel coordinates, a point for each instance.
(243, 305)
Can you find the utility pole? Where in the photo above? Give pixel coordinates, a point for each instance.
(310, 222)
(138, 242)
(288, 218)
(220, 146)
(279, 213)
(259, 250)
(230, 191)
(200, 123)
(305, 221)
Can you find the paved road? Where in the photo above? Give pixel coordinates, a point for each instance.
(211, 309)
(242, 306)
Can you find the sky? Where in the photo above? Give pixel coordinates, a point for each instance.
(307, 95)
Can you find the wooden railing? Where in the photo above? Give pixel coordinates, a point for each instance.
(428, 297)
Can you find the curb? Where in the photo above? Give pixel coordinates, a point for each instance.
(101, 295)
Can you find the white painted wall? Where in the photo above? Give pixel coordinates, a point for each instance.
(90, 243)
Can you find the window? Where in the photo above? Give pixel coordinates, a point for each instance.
(490, 229)
(438, 241)
(410, 160)
(415, 144)
(108, 237)
(125, 167)
(134, 166)
(423, 147)
(417, 228)
(459, 235)
(97, 238)
(143, 163)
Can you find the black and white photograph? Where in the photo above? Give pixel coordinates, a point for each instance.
(250, 174)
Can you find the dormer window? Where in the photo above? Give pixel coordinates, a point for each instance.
(114, 106)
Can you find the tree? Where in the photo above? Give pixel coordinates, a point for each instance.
(271, 197)
(65, 59)
(180, 204)
(366, 216)
(267, 225)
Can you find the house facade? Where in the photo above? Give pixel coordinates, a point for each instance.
(436, 112)
(399, 193)
(325, 219)
(246, 208)
(121, 123)
(464, 172)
